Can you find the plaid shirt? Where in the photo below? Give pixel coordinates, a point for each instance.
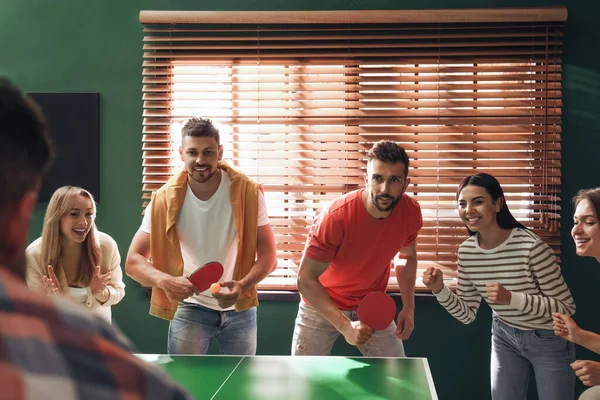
(52, 349)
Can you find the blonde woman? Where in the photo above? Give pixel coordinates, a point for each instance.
(72, 257)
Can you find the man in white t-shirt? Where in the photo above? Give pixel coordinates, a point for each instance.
(208, 212)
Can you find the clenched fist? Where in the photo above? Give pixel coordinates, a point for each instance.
(433, 278)
(496, 293)
(587, 371)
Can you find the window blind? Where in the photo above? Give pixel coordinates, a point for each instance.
(300, 97)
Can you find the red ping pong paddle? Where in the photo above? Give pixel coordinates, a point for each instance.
(206, 275)
(377, 310)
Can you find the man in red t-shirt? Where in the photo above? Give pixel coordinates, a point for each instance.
(348, 255)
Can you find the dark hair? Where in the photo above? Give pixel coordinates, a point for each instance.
(504, 218)
(25, 148)
(389, 152)
(200, 127)
(592, 195)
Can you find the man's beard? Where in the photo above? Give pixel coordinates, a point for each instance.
(393, 203)
(202, 178)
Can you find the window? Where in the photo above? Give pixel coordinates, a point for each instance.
(302, 96)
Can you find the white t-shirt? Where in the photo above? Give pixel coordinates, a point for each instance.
(206, 233)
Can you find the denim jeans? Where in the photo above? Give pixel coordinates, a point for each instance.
(195, 326)
(315, 336)
(516, 351)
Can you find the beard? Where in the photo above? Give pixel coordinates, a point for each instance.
(201, 178)
(375, 200)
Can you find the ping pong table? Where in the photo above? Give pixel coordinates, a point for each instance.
(298, 378)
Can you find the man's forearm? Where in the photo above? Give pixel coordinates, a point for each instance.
(406, 276)
(319, 299)
(139, 269)
(260, 270)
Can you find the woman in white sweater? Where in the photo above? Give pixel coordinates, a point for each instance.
(72, 258)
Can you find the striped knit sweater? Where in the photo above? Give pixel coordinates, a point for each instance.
(525, 266)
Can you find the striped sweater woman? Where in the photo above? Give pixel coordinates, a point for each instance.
(525, 266)
(517, 275)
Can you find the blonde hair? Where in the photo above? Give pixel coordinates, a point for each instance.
(62, 201)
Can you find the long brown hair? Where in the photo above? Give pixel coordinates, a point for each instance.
(60, 204)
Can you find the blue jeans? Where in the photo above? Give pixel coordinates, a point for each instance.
(315, 336)
(194, 327)
(516, 351)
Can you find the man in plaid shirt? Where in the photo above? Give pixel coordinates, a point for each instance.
(49, 348)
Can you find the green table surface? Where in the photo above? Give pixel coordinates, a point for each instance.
(299, 378)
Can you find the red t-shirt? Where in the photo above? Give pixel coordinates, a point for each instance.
(359, 248)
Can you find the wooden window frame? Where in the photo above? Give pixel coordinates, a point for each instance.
(502, 82)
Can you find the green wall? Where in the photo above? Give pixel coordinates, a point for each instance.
(96, 45)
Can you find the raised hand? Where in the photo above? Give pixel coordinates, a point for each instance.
(496, 293)
(50, 282)
(433, 278)
(99, 281)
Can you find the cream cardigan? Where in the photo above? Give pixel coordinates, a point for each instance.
(111, 261)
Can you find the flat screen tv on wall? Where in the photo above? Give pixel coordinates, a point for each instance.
(73, 120)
